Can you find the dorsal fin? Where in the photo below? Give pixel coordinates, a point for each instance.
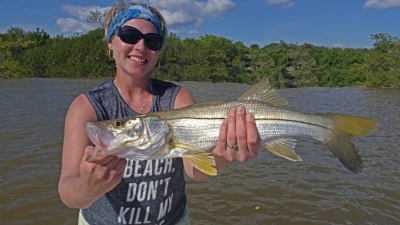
(263, 92)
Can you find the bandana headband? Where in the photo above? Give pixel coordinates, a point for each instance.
(132, 12)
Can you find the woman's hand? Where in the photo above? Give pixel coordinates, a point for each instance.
(238, 128)
(238, 138)
(100, 175)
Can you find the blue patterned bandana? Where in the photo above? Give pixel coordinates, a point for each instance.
(132, 12)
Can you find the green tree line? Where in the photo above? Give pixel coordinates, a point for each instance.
(208, 58)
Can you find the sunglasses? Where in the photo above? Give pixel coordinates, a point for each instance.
(131, 35)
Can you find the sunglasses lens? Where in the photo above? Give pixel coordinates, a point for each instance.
(153, 41)
(132, 36)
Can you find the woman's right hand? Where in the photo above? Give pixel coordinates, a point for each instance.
(100, 175)
(81, 182)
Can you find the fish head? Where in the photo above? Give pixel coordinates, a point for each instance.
(132, 137)
(113, 136)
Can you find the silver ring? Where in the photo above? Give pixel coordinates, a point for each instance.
(234, 146)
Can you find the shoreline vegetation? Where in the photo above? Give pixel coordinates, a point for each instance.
(208, 59)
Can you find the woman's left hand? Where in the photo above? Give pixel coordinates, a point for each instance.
(238, 138)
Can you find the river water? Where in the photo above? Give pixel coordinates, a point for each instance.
(265, 190)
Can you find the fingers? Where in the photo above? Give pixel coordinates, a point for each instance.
(120, 167)
(109, 161)
(88, 152)
(239, 129)
(231, 134)
(253, 139)
(114, 163)
(222, 140)
(226, 130)
(101, 174)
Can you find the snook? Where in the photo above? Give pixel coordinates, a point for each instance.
(192, 131)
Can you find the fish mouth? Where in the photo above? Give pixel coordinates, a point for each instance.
(100, 138)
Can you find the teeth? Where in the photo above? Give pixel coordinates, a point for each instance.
(137, 59)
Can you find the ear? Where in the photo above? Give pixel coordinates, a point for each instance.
(110, 46)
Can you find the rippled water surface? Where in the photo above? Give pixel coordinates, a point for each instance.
(265, 190)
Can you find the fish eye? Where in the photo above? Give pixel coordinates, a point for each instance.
(118, 123)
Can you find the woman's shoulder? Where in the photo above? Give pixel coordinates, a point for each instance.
(81, 101)
(102, 94)
(107, 85)
(81, 106)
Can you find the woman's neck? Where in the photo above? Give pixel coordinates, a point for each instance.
(133, 85)
(137, 93)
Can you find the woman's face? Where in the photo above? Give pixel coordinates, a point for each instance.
(135, 59)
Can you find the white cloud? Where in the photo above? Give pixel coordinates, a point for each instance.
(272, 2)
(285, 3)
(189, 32)
(176, 13)
(381, 4)
(289, 5)
(80, 25)
(82, 12)
(337, 46)
(72, 25)
(189, 12)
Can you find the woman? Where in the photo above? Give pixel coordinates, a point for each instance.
(110, 190)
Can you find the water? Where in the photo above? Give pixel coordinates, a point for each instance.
(265, 190)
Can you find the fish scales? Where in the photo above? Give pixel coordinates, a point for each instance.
(191, 132)
(260, 111)
(202, 130)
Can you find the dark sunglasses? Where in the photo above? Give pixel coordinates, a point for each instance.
(131, 35)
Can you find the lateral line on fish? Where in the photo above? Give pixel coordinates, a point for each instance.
(272, 119)
(296, 121)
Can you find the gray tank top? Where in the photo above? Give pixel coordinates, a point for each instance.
(152, 191)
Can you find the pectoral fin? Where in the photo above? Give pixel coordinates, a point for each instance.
(198, 158)
(283, 147)
(205, 163)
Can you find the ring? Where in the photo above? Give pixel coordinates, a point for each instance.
(234, 146)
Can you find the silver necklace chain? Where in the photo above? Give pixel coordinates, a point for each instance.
(129, 102)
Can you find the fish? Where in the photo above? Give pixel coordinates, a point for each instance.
(192, 132)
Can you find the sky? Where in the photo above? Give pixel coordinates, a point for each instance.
(329, 23)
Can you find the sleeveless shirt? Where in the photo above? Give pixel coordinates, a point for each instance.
(151, 191)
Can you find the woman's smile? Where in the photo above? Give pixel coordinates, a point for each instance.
(137, 59)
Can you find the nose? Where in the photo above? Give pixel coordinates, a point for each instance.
(140, 46)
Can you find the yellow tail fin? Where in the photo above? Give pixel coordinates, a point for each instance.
(341, 145)
(353, 125)
(340, 141)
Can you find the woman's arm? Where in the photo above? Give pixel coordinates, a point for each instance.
(238, 128)
(82, 183)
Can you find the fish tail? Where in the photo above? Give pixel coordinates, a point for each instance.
(340, 139)
(353, 125)
(341, 145)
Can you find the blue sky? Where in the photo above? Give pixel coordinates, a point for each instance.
(330, 23)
